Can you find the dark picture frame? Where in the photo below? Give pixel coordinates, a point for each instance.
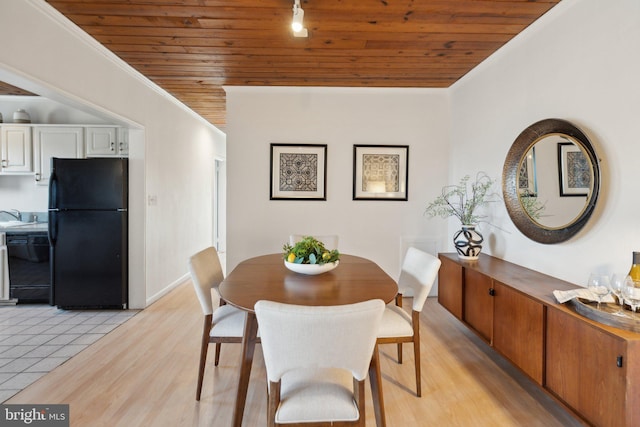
(298, 172)
(574, 171)
(380, 172)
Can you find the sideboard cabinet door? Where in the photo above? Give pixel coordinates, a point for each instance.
(478, 303)
(582, 369)
(450, 286)
(518, 330)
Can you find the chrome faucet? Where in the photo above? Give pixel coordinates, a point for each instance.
(14, 213)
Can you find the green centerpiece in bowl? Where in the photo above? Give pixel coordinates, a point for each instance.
(309, 256)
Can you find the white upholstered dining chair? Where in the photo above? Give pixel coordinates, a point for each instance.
(330, 241)
(317, 359)
(419, 271)
(225, 324)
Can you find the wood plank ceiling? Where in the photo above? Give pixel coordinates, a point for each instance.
(191, 48)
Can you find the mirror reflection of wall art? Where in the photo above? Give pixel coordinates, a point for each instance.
(298, 171)
(380, 172)
(575, 172)
(527, 180)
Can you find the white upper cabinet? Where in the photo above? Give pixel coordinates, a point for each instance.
(55, 141)
(15, 149)
(106, 141)
(123, 141)
(28, 148)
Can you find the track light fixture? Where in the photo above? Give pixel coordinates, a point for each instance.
(297, 23)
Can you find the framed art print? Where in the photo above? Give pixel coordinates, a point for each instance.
(574, 170)
(380, 172)
(298, 171)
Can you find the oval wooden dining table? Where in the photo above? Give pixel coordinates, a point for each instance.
(265, 277)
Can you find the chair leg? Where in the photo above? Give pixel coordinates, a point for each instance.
(217, 358)
(273, 401)
(399, 304)
(416, 357)
(375, 378)
(204, 347)
(416, 351)
(218, 345)
(358, 393)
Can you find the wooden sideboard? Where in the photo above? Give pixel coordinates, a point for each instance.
(592, 368)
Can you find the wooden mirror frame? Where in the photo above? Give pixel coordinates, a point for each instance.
(515, 157)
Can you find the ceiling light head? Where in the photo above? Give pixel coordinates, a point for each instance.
(298, 16)
(297, 23)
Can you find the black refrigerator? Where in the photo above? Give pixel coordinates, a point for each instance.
(88, 233)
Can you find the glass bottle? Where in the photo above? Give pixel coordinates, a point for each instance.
(634, 273)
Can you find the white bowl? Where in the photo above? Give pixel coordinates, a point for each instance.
(311, 269)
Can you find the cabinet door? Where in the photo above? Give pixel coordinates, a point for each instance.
(123, 142)
(518, 329)
(101, 141)
(15, 143)
(582, 368)
(478, 303)
(450, 286)
(63, 141)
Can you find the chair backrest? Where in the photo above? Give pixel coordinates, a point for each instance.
(419, 271)
(206, 273)
(330, 241)
(295, 336)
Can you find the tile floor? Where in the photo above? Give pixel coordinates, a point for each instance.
(36, 338)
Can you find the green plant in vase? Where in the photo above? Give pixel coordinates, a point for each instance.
(463, 200)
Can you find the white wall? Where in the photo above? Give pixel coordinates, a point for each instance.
(171, 148)
(46, 111)
(580, 62)
(21, 192)
(340, 118)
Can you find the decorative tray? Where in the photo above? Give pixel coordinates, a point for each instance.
(605, 314)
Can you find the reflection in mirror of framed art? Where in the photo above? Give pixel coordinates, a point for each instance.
(551, 181)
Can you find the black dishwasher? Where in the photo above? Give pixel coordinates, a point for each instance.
(29, 272)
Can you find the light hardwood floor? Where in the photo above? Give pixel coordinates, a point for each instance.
(144, 374)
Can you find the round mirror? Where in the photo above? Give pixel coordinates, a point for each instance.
(550, 181)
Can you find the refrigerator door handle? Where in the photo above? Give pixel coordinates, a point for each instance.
(53, 186)
(53, 226)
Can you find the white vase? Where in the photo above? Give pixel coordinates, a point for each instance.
(21, 116)
(468, 242)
